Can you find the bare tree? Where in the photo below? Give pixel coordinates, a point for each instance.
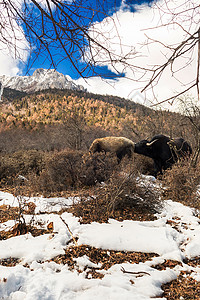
(66, 30)
(191, 115)
(184, 16)
(58, 28)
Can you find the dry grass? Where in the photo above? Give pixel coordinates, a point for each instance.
(181, 183)
(120, 197)
(184, 287)
(106, 258)
(71, 170)
(53, 172)
(20, 163)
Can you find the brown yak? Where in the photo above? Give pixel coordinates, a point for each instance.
(121, 146)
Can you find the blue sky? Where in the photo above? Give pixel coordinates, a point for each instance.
(65, 66)
(152, 28)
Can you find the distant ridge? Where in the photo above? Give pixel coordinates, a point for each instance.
(42, 79)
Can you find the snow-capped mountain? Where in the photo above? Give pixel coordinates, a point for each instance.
(41, 79)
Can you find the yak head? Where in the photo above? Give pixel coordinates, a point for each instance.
(145, 147)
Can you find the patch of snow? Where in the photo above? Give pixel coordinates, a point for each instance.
(29, 248)
(42, 204)
(84, 261)
(131, 236)
(174, 235)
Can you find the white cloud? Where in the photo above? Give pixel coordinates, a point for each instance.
(133, 30)
(13, 45)
(140, 30)
(9, 66)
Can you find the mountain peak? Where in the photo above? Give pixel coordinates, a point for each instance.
(40, 71)
(41, 79)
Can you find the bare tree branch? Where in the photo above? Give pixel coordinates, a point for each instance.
(61, 28)
(65, 30)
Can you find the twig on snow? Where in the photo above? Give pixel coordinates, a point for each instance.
(135, 273)
(75, 242)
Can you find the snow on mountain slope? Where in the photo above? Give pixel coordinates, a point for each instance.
(41, 79)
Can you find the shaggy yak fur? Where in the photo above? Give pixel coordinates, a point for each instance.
(121, 146)
(164, 151)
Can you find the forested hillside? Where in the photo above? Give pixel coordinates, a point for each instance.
(69, 115)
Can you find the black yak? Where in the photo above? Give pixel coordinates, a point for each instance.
(163, 150)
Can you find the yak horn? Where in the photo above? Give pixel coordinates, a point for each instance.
(149, 144)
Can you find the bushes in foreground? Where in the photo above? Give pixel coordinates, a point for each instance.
(20, 163)
(121, 197)
(73, 169)
(53, 172)
(56, 171)
(182, 183)
(50, 173)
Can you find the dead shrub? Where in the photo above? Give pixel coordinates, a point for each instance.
(181, 183)
(61, 172)
(20, 163)
(70, 169)
(143, 164)
(121, 197)
(126, 190)
(97, 168)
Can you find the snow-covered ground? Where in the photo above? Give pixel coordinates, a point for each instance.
(174, 235)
